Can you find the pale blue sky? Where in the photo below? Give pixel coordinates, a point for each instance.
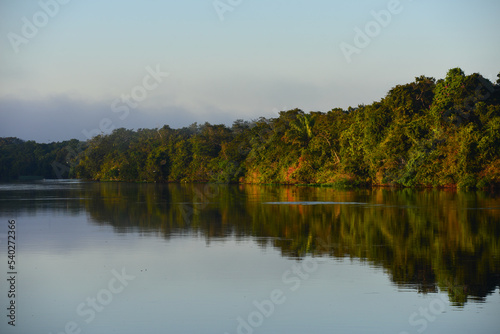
(263, 57)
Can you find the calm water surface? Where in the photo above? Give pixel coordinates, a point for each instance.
(143, 258)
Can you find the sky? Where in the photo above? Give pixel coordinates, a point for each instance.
(74, 68)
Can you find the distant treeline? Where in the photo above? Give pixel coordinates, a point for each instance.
(28, 159)
(425, 133)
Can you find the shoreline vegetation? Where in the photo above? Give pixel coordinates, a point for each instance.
(429, 133)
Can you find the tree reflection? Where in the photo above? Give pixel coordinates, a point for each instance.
(425, 239)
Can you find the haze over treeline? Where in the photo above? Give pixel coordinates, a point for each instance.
(425, 133)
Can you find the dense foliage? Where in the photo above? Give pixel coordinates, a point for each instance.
(425, 133)
(28, 159)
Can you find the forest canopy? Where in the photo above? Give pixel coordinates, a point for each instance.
(431, 133)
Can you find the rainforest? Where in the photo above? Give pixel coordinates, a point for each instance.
(427, 133)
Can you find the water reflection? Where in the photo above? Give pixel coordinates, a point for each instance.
(425, 240)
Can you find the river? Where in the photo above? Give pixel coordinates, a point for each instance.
(196, 258)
